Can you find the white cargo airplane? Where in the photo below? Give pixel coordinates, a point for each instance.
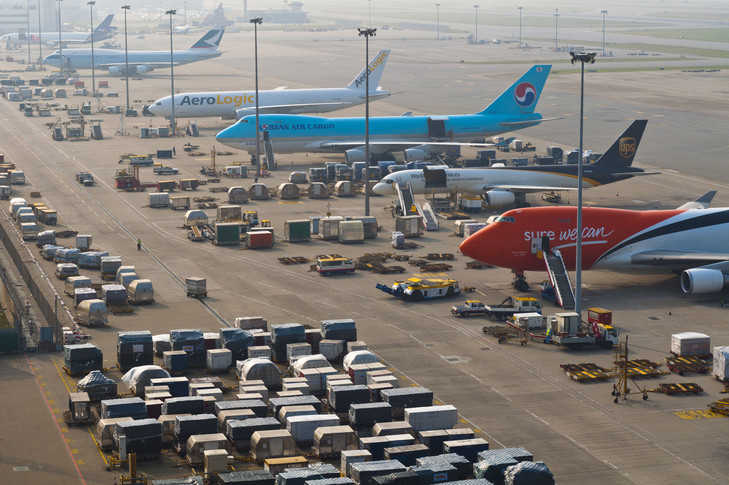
(230, 105)
(139, 61)
(102, 31)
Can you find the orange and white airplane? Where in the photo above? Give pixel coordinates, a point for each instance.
(691, 240)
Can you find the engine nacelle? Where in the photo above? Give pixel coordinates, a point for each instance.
(499, 198)
(415, 154)
(354, 155)
(114, 70)
(142, 69)
(243, 112)
(703, 280)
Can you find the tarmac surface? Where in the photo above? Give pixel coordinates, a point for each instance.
(513, 395)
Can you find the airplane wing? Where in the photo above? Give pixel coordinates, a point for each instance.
(287, 108)
(679, 259)
(528, 188)
(702, 202)
(530, 122)
(132, 65)
(400, 144)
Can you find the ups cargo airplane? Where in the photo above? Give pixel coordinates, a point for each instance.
(691, 240)
(139, 61)
(418, 136)
(102, 31)
(502, 186)
(237, 104)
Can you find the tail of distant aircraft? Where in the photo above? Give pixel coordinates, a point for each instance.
(622, 152)
(523, 95)
(105, 25)
(376, 67)
(211, 40)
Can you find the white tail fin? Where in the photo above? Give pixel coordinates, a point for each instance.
(376, 67)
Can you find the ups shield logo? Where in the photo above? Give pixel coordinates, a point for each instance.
(626, 147)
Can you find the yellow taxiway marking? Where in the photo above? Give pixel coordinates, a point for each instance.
(698, 414)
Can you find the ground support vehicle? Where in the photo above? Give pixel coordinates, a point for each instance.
(512, 305)
(565, 330)
(329, 265)
(417, 289)
(85, 178)
(472, 307)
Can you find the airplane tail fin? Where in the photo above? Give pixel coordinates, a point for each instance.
(523, 95)
(105, 25)
(375, 68)
(211, 40)
(622, 152)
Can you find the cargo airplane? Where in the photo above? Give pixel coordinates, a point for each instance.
(139, 61)
(419, 136)
(237, 104)
(502, 186)
(102, 31)
(690, 240)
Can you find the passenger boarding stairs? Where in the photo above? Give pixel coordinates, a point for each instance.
(407, 200)
(560, 280)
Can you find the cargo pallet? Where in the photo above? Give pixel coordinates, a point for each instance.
(68, 419)
(503, 334)
(76, 373)
(721, 406)
(586, 372)
(688, 364)
(293, 260)
(440, 257)
(197, 295)
(643, 368)
(477, 265)
(120, 308)
(84, 324)
(680, 388)
(435, 267)
(108, 276)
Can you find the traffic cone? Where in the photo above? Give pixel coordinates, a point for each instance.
(669, 312)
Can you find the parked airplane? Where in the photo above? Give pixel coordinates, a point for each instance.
(419, 136)
(237, 104)
(102, 31)
(139, 61)
(502, 186)
(504, 143)
(690, 239)
(181, 29)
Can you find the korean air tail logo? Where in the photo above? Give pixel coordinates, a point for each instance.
(626, 147)
(525, 94)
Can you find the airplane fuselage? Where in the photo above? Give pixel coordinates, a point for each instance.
(225, 104)
(52, 37)
(297, 134)
(612, 238)
(81, 58)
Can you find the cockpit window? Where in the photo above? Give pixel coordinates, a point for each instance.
(505, 219)
(158, 103)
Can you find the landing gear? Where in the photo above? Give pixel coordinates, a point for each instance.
(520, 283)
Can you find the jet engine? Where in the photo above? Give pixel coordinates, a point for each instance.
(499, 198)
(415, 154)
(703, 280)
(242, 113)
(142, 69)
(354, 155)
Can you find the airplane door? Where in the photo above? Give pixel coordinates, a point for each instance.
(436, 128)
(540, 244)
(434, 178)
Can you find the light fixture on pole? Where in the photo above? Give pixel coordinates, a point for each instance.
(556, 18)
(93, 67)
(60, 44)
(126, 53)
(40, 41)
(256, 22)
(520, 9)
(582, 58)
(476, 35)
(437, 21)
(367, 33)
(172, 73)
(604, 13)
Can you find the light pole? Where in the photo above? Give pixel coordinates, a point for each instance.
(520, 9)
(93, 67)
(40, 41)
(582, 58)
(256, 22)
(367, 34)
(27, 28)
(286, 16)
(60, 44)
(476, 35)
(437, 21)
(556, 17)
(172, 72)
(604, 13)
(126, 53)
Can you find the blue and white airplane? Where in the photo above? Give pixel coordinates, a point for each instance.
(102, 31)
(419, 136)
(139, 61)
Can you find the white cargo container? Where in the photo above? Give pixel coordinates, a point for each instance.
(168, 426)
(331, 349)
(301, 387)
(26, 217)
(159, 199)
(294, 351)
(431, 417)
(195, 218)
(20, 210)
(259, 352)
(127, 278)
(259, 389)
(330, 440)
(140, 291)
(309, 362)
(351, 232)
(123, 269)
(215, 393)
(272, 444)
(358, 345)
(690, 343)
(105, 431)
(250, 323)
(302, 427)
(352, 456)
(227, 414)
(83, 241)
(472, 228)
(73, 282)
(290, 411)
(529, 320)
(219, 359)
(92, 312)
(329, 227)
(358, 372)
(198, 444)
(389, 380)
(29, 230)
(259, 369)
(410, 226)
(5, 191)
(17, 177)
(460, 225)
(358, 357)
(721, 363)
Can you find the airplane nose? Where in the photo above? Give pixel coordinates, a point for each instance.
(154, 109)
(469, 247)
(380, 188)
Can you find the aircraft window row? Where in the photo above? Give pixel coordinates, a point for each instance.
(505, 219)
(565, 221)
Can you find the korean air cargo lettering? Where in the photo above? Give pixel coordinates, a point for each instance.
(237, 104)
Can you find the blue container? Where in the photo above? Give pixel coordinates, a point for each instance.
(383, 164)
(357, 168)
(46, 334)
(331, 171)
(175, 360)
(178, 386)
